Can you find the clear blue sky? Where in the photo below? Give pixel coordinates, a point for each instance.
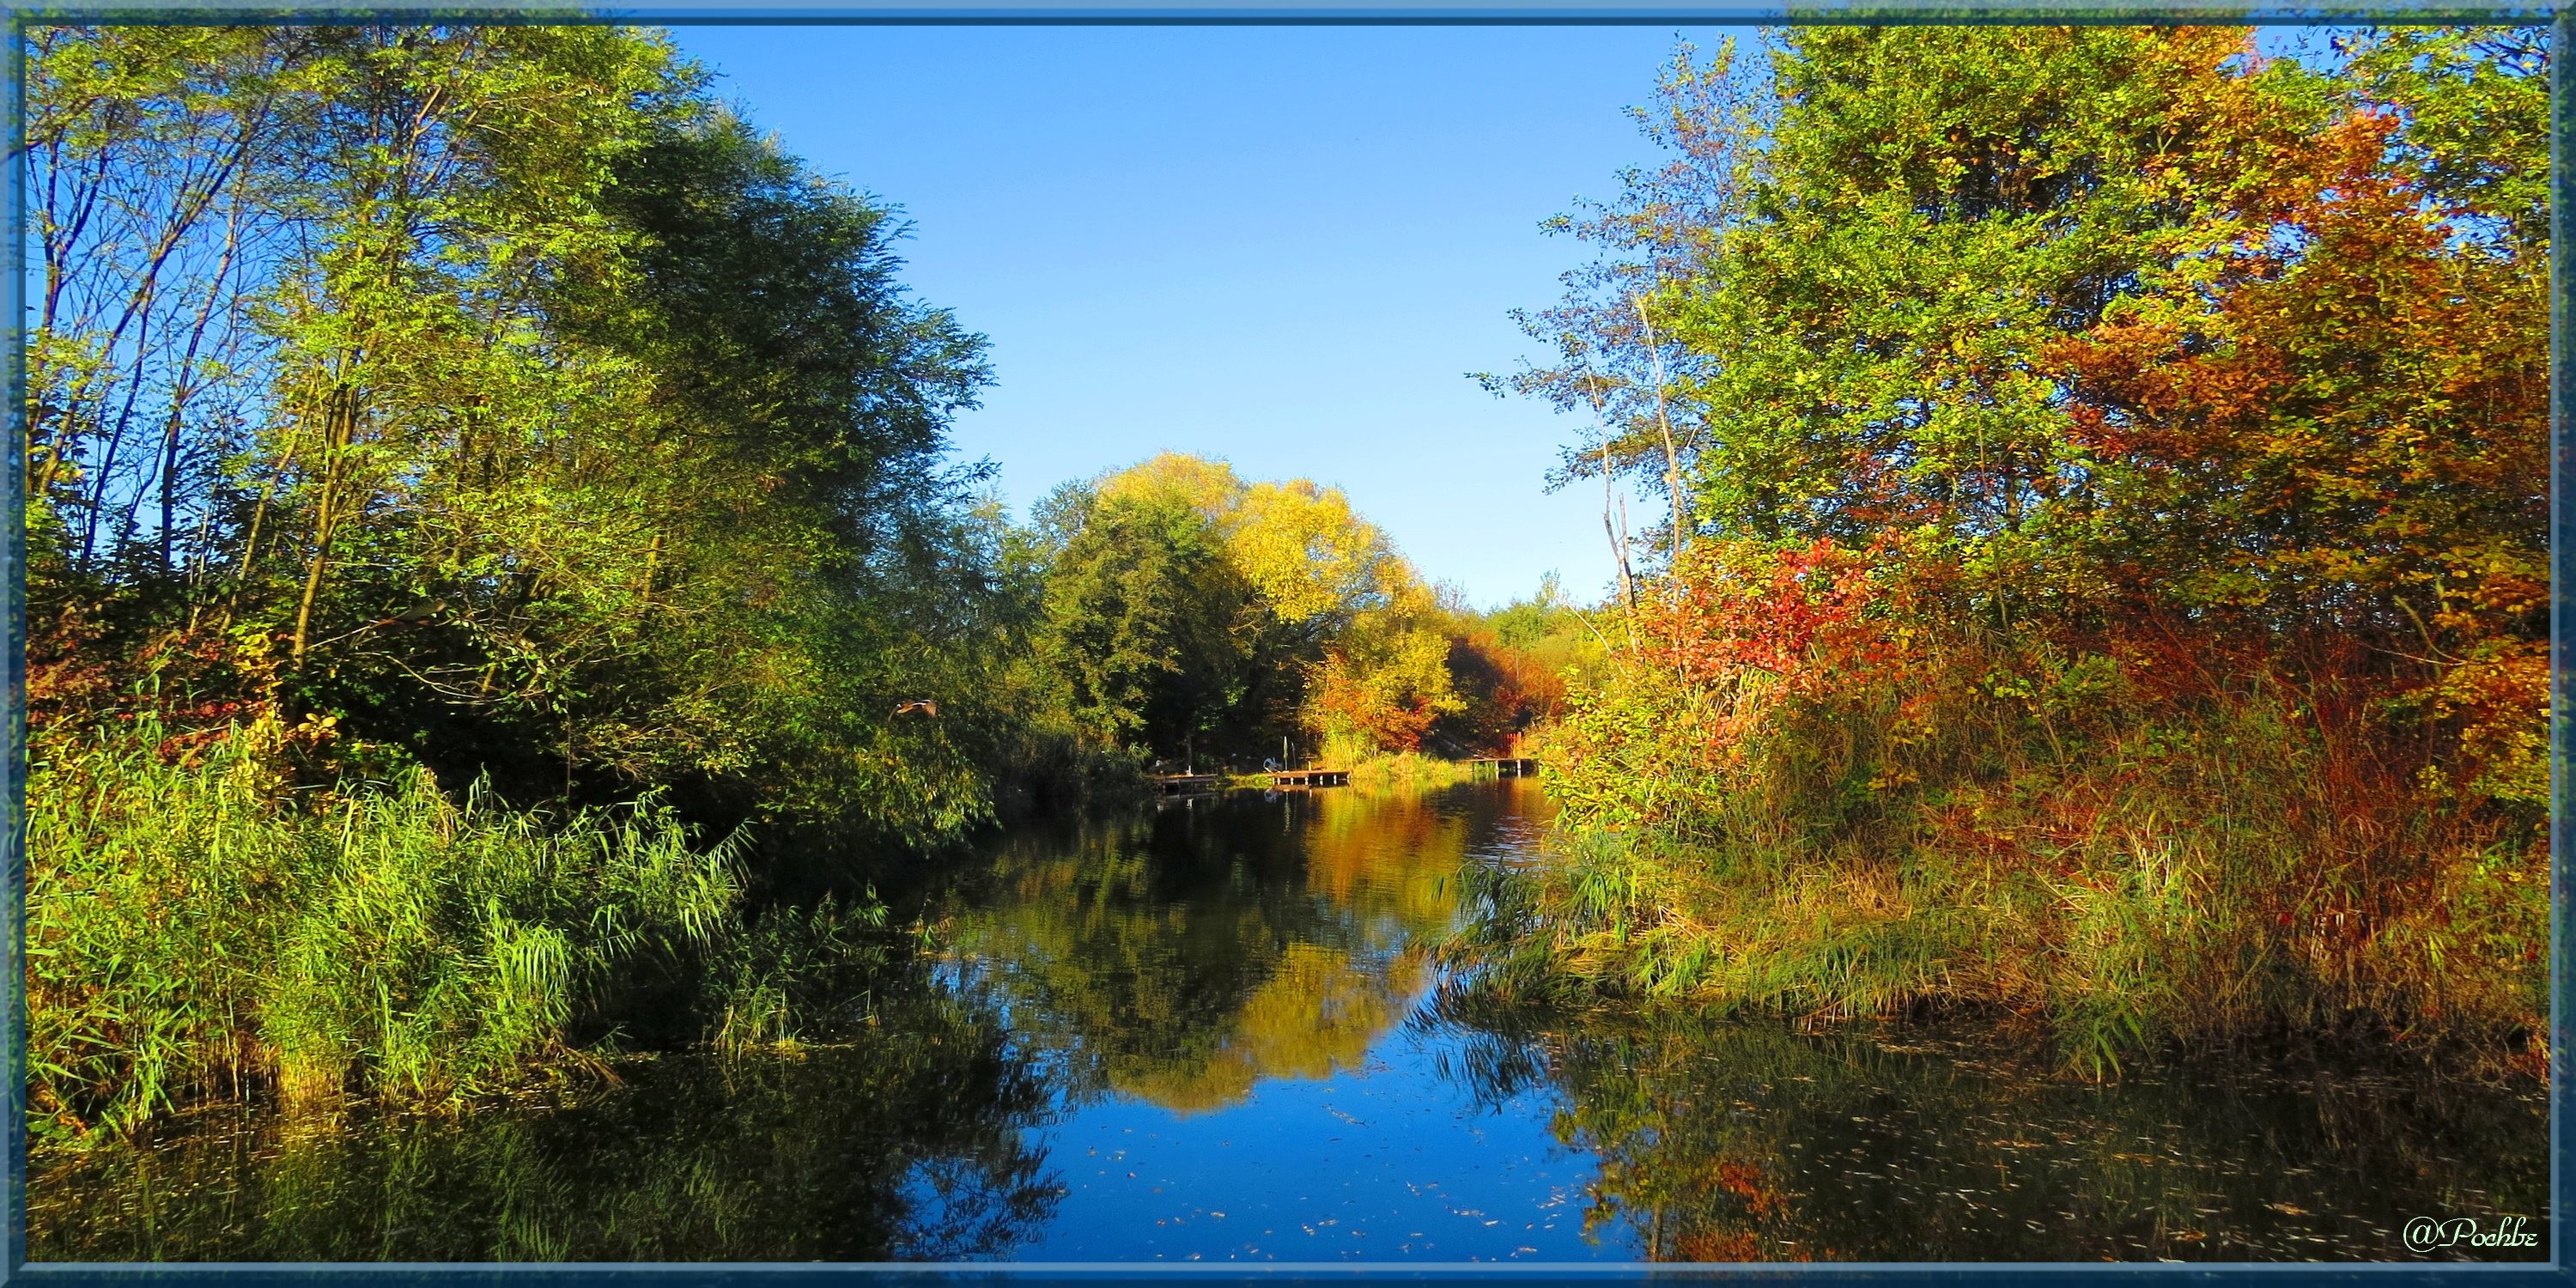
(1282, 246)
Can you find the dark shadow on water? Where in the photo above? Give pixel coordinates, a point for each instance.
(913, 1146)
(1750, 1140)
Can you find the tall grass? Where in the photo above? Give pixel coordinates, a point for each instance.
(196, 928)
(2069, 841)
(1371, 766)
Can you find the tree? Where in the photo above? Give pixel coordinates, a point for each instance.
(495, 392)
(1151, 627)
(1326, 627)
(2111, 443)
(1615, 355)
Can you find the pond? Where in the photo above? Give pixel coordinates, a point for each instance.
(1208, 1030)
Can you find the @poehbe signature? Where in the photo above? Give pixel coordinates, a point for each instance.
(2424, 1234)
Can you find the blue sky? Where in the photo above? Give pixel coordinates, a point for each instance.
(1282, 246)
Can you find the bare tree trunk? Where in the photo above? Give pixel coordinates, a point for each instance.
(258, 519)
(195, 195)
(1618, 535)
(96, 502)
(1663, 422)
(652, 566)
(296, 416)
(185, 387)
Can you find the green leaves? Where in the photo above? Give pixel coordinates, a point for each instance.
(1154, 630)
(1190, 613)
(194, 932)
(546, 421)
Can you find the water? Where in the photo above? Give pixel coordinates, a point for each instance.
(1208, 1031)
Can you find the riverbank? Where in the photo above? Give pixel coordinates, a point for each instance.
(2111, 862)
(1373, 771)
(2123, 604)
(1410, 770)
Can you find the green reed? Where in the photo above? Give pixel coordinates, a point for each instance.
(197, 929)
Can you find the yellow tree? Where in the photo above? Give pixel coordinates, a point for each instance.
(1350, 615)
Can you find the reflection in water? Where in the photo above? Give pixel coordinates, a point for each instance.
(1750, 1141)
(1199, 1031)
(911, 1147)
(1182, 955)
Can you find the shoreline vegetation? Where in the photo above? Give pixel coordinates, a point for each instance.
(2109, 580)
(1398, 771)
(196, 934)
(493, 609)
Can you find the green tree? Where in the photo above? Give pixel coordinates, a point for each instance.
(515, 404)
(445, 405)
(1150, 625)
(1335, 634)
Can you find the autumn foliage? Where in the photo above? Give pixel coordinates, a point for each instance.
(2115, 577)
(1192, 613)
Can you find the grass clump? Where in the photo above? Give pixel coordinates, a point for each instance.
(199, 928)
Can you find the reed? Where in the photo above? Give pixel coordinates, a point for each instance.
(197, 928)
(2118, 862)
(1373, 767)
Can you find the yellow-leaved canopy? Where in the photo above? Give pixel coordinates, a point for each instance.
(1318, 565)
(1301, 545)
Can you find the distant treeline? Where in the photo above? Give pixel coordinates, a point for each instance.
(1189, 614)
(443, 438)
(2108, 577)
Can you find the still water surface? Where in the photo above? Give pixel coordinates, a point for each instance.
(1209, 1031)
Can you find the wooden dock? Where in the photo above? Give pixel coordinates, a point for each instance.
(1187, 784)
(1310, 778)
(1505, 766)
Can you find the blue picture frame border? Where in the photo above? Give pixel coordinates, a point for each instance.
(2561, 18)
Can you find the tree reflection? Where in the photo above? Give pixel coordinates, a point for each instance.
(1749, 1141)
(913, 1145)
(1182, 954)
